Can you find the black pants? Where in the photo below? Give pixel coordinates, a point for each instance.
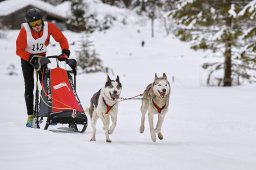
(28, 74)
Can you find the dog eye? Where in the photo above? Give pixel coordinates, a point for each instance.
(119, 86)
(111, 86)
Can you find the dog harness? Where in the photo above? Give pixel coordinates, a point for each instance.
(159, 109)
(108, 106)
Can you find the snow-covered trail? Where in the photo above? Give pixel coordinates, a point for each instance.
(206, 128)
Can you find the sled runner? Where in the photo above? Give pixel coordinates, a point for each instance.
(57, 100)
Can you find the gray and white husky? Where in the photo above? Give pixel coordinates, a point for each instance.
(104, 105)
(155, 101)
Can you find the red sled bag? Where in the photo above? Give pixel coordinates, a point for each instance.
(63, 97)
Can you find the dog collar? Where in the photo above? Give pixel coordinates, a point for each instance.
(108, 106)
(159, 109)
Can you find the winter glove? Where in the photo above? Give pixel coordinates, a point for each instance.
(38, 61)
(64, 56)
(33, 60)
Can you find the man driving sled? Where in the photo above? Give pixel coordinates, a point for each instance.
(31, 44)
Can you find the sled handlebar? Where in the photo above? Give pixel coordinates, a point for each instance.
(71, 62)
(52, 56)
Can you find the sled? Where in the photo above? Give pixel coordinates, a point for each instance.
(57, 99)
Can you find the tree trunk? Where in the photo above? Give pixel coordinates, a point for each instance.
(152, 27)
(227, 80)
(143, 6)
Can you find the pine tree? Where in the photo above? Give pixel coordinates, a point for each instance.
(148, 6)
(151, 8)
(247, 57)
(110, 2)
(213, 25)
(140, 6)
(77, 21)
(87, 58)
(127, 3)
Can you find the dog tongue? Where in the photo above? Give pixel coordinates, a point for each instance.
(162, 94)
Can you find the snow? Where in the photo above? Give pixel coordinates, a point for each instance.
(9, 6)
(206, 128)
(248, 8)
(232, 11)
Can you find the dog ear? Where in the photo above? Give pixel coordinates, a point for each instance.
(108, 79)
(108, 82)
(164, 76)
(117, 79)
(156, 76)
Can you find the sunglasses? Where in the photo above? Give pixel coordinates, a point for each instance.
(36, 23)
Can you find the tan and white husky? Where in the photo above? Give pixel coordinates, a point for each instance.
(155, 102)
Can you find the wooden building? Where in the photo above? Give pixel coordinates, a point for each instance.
(12, 13)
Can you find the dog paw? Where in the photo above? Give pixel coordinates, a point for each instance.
(160, 136)
(141, 129)
(92, 139)
(153, 137)
(108, 141)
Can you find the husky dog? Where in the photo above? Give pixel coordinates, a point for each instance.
(155, 101)
(104, 105)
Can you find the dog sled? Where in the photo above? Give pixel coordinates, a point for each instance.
(56, 98)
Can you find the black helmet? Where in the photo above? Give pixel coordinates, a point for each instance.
(33, 15)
